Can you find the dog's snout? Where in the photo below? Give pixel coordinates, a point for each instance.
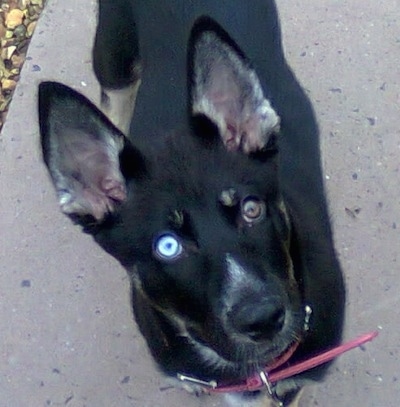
(255, 309)
(259, 322)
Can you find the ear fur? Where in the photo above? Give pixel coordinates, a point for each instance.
(225, 89)
(81, 149)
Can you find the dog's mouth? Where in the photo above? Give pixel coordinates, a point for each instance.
(247, 357)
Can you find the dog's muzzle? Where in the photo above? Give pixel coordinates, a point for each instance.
(255, 309)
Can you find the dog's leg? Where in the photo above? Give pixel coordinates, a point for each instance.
(118, 105)
(116, 60)
(296, 401)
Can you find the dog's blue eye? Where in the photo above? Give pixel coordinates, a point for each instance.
(167, 247)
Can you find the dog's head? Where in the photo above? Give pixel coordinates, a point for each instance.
(199, 223)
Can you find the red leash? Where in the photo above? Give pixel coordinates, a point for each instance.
(321, 358)
(269, 377)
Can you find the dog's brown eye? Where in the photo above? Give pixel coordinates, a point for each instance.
(253, 209)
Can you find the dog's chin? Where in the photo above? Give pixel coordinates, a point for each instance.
(243, 356)
(257, 356)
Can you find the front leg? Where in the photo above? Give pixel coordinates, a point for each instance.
(116, 60)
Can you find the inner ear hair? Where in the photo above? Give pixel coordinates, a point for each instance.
(227, 90)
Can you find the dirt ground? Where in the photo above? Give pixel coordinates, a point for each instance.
(18, 19)
(66, 331)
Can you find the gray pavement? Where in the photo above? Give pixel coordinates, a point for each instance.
(66, 331)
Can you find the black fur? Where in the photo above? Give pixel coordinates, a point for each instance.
(232, 297)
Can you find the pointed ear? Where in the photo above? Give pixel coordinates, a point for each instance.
(226, 90)
(82, 150)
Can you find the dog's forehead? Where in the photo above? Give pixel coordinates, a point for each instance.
(194, 173)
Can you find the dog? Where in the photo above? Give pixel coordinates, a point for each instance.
(214, 203)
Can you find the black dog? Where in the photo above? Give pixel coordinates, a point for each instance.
(215, 203)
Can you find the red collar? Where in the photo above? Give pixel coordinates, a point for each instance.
(271, 374)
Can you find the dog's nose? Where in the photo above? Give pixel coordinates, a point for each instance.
(259, 322)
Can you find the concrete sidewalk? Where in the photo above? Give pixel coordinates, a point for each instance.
(66, 331)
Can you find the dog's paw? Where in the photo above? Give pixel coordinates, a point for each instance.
(289, 391)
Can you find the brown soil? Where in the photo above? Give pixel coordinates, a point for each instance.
(18, 20)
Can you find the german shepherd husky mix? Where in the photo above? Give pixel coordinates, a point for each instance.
(215, 203)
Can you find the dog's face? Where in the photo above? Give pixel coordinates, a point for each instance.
(206, 238)
(199, 223)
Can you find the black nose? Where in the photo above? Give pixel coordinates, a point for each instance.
(259, 322)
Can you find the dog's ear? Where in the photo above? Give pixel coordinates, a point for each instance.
(226, 90)
(82, 151)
